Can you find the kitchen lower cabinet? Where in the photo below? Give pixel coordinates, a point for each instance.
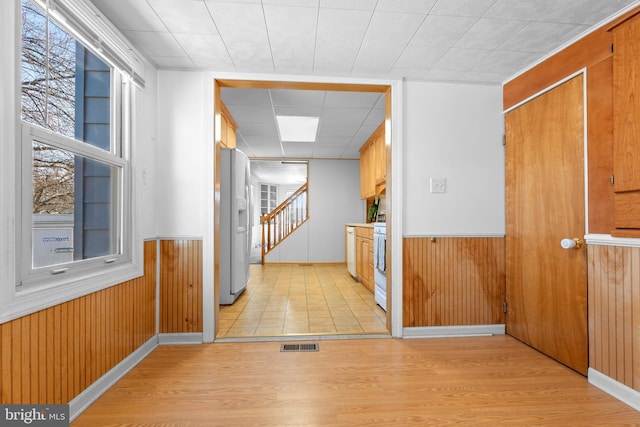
(364, 256)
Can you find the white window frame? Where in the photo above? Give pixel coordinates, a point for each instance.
(24, 291)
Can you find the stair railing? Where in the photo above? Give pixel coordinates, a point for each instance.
(288, 216)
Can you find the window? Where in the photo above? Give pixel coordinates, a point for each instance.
(76, 201)
(268, 198)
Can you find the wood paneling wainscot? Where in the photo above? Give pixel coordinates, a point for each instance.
(453, 281)
(51, 356)
(180, 286)
(614, 312)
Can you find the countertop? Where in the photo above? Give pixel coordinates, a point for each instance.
(368, 225)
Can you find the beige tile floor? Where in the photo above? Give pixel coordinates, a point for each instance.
(301, 299)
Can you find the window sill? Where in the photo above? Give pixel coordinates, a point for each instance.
(36, 298)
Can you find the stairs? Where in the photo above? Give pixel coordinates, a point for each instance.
(278, 224)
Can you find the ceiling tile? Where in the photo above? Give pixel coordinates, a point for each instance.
(443, 31)
(172, 61)
(260, 140)
(461, 7)
(344, 116)
(349, 5)
(377, 58)
(518, 9)
(461, 60)
(344, 28)
(299, 3)
(292, 33)
(585, 12)
(252, 113)
(541, 37)
(337, 131)
(505, 62)
(332, 142)
(155, 44)
(297, 98)
(213, 64)
(298, 111)
(410, 6)
(204, 46)
(421, 57)
(185, 16)
(241, 96)
(393, 28)
(488, 33)
(375, 117)
(298, 149)
(130, 15)
(352, 99)
(265, 130)
(243, 30)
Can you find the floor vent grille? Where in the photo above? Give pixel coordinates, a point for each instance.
(299, 347)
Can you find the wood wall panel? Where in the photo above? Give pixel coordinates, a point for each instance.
(587, 51)
(180, 286)
(600, 146)
(51, 356)
(614, 313)
(453, 281)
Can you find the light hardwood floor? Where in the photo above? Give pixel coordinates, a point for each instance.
(481, 381)
(301, 299)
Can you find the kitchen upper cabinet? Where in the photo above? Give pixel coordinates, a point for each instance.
(380, 163)
(228, 127)
(626, 128)
(373, 165)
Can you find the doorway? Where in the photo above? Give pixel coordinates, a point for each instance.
(385, 90)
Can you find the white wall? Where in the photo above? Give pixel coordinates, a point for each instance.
(453, 131)
(145, 147)
(180, 151)
(334, 200)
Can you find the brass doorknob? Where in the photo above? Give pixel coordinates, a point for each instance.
(575, 243)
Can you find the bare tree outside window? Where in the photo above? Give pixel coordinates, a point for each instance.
(48, 100)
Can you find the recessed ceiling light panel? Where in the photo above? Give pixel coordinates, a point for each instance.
(298, 128)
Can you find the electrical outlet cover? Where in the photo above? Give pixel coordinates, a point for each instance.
(438, 185)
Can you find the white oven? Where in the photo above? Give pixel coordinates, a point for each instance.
(380, 263)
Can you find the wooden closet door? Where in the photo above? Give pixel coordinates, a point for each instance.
(546, 284)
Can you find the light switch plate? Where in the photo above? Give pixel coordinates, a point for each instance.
(438, 185)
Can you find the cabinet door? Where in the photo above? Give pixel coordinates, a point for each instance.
(369, 190)
(381, 160)
(626, 126)
(359, 257)
(366, 274)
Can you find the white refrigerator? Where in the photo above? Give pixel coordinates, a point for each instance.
(235, 224)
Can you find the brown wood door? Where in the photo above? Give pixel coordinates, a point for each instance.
(546, 285)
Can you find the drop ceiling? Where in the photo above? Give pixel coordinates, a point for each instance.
(464, 41)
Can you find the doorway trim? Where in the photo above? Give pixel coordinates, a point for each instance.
(210, 306)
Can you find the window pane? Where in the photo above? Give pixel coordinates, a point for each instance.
(34, 64)
(74, 207)
(65, 87)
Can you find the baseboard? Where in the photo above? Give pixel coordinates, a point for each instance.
(453, 331)
(616, 389)
(82, 401)
(180, 338)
